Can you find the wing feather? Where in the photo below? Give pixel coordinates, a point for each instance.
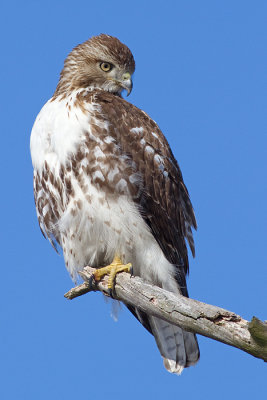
(164, 201)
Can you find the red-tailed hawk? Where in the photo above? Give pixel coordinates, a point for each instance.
(107, 186)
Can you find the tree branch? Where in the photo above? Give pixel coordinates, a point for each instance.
(191, 315)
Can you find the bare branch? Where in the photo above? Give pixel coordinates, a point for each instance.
(192, 315)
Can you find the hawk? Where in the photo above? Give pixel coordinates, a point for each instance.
(107, 187)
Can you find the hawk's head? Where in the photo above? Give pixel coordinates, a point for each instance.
(101, 62)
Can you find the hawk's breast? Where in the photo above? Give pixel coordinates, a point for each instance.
(84, 184)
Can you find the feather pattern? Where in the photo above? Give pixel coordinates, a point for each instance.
(106, 182)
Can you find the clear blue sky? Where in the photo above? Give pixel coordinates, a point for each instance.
(200, 74)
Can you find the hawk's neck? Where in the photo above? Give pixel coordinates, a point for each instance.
(65, 89)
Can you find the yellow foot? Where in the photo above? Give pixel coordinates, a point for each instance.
(112, 270)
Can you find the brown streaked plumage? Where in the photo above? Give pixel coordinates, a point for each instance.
(106, 183)
(79, 67)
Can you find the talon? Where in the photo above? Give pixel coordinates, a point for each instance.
(90, 281)
(112, 270)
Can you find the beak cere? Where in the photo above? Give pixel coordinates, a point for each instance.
(127, 83)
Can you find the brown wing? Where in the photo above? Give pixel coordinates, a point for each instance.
(164, 201)
(49, 201)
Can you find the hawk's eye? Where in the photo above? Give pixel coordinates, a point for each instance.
(106, 67)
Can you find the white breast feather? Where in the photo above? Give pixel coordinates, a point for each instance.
(92, 231)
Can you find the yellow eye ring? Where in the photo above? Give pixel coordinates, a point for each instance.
(105, 66)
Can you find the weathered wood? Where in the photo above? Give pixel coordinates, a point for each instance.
(258, 331)
(192, 315)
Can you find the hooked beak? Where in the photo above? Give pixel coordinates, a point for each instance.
(127, 83)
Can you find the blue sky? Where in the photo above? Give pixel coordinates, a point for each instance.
(200, 74)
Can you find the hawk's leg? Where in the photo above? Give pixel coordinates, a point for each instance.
(112, 270)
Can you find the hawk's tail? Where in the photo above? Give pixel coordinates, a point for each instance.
(178, 348)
